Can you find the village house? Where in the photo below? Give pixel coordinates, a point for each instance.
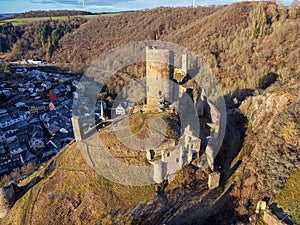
(6, 92)
(19, 126)
(37, 75)
(40, 89)
(20, 104)
(58, 93)
(2, 152)
(33, 95)
(52, 128)
(21, 90)
(37, 131)
(5, 120)
(35, 62)
(123, 108)
(21, 70)
(36, 144)
(22, 135)
(38, 108)
(30, 158)
(29, 86)
(120, 110)
(47, 85)
(14, 147)
(2, 137)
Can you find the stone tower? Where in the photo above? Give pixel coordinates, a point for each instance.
(78, 132)
(160, 171)
(159, 75)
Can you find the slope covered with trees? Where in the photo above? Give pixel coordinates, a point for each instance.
(35, 40)
(243, 43)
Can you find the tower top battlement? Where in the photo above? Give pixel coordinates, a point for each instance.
(159, 55)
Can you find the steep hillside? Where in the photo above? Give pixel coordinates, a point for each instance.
(270, 152)
(105, 33)
(37, 40)
(245, 42)
(70, 192)
(239, 42)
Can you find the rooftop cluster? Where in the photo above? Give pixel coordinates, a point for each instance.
(35, 116)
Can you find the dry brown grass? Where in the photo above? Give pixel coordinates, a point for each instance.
(75, 194)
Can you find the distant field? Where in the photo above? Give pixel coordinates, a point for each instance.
(18, 21)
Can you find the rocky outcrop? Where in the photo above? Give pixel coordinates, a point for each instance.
(270, 151)
(7, 199)
(11, 193)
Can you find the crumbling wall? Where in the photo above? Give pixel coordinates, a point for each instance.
(271, 219)
(216, 137)
(78, 132)
(4, 205)
(213, 180)
(173, 160)
(7, 199)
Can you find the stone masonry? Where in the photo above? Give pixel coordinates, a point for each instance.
(159, 75)
(78, 132)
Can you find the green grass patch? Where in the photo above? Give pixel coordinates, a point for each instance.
(289, 197)
(110, 14)
(136, 122)
(19, 21)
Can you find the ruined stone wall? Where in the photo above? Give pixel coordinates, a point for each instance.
(166, 145)
(159, 75)
(215, 141)
(4, 205)
(190, 140)
(159, 172)
(181, 91)
(78, 132)
(7, 199)
(271, 219)
(172, 160)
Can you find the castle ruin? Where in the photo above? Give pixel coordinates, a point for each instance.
(161, 88)
(174, 158)
(162, 91)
